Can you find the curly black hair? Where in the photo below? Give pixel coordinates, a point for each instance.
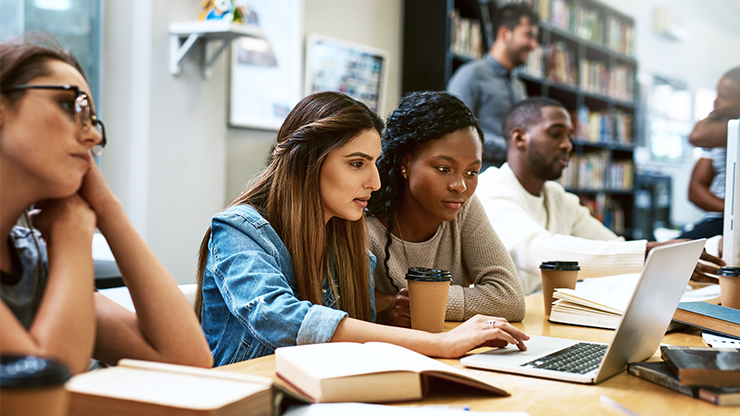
(420, 117)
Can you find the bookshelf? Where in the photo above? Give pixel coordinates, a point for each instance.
(585, 60)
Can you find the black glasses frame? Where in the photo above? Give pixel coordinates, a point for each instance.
(83, 111)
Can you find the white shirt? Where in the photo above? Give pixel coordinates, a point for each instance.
(552, 226)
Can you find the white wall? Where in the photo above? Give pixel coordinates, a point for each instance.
(376, 23)
(713, 48)
(167, 156)
(172, 160)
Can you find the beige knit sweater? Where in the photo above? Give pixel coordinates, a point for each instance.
(484, 280)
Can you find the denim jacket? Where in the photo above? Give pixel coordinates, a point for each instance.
(250, 296)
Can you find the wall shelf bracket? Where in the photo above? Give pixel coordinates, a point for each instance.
(184, 35)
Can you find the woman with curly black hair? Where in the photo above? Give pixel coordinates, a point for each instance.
(425, 213)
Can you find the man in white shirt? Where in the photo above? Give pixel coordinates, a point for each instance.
(536, 218)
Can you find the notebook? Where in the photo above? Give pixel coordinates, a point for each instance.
(664, 276)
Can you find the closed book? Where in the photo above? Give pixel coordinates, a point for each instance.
(714, 318)
(373, 372)
(660, 373)
(704, 366)
(145, 388)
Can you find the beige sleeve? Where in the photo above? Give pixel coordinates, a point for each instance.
(496, 289)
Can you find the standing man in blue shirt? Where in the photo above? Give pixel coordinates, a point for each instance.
(488, 85)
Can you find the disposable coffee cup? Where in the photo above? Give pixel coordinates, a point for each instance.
(31, 385)
(556, 275)
(729, 283)
(428, 291)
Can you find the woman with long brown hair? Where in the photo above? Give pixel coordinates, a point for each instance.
(287, 262)
(49, 133)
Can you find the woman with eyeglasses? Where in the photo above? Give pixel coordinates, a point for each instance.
(287, 262)
(49, 133)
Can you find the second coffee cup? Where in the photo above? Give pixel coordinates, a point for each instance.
(428, 291)
(555, 275)
(729, 283)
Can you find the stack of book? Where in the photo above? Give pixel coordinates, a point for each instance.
(714, 318)
(710, 374)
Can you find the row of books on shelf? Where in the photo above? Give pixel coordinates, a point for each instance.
(594, 171)
(620, 36)
(616, 82)
(467, 37)
(595, 76)
(610, 212)
(614, 126)
(535, 62)
(589, 24)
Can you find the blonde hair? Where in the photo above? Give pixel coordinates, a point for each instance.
(287, 193)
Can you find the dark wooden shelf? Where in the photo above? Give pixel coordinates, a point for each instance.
(599, 191)
(605, 145)
(428, 64)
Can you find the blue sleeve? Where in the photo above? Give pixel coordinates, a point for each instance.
(250, 273)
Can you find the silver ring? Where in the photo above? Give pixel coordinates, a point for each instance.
(491, 323)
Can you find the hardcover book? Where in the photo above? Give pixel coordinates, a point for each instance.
(373, 372)
(716, 318)
(144, 388)
(703, 366)
(660, 373)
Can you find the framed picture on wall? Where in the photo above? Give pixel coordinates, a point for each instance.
(266, 73)
(356, 70)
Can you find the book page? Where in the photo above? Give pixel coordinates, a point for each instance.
(616, 291)
(355, 358)
(412, 360)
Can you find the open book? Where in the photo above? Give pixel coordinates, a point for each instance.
(373, 372)
(145, 388)
(600, 302)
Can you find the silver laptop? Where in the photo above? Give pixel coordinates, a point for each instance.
(664, 276)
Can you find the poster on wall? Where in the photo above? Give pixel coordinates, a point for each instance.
(356, 70)
(266, 73)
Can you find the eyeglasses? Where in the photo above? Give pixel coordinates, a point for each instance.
(83, 111)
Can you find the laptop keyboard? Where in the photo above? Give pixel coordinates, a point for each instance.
(579, 358)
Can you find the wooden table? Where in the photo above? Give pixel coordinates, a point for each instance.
(550, 398)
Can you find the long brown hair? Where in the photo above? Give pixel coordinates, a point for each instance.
(287, 193)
